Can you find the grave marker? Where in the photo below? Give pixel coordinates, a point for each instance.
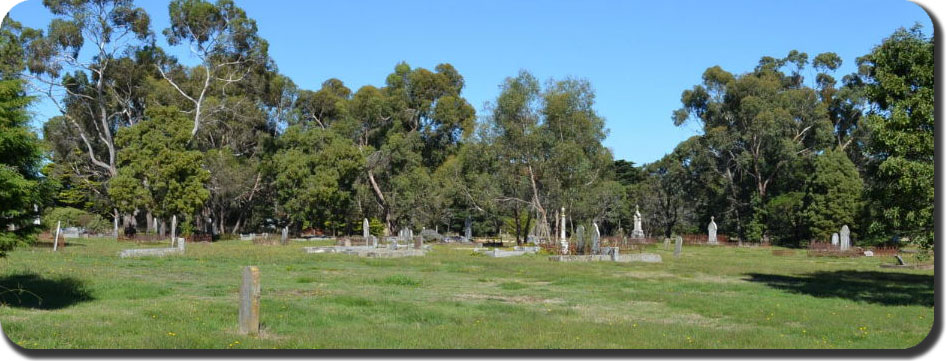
(711, 230)
(835, 240)
(249, 301)
(638, 232)
(365, 228)
(845, 238)
(595, 240)
(679, 247)
(580, 235)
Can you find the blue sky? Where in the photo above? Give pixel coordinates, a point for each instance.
(638, 55)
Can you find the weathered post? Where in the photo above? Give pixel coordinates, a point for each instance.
(562, 239)
(173, 229)
(249, 301)
(56, 240)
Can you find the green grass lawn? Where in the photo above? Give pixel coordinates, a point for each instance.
(712, 297)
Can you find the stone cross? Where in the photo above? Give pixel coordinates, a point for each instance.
(562, 239)
(595, 240)
(580, 236)
(679, 247)
(468, 229)
(835, 239)
(249, 301)
(845, 238)
(56, 240)
(711, 229)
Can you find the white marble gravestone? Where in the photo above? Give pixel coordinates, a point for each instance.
(711, 230)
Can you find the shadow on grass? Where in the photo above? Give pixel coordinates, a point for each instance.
(35, 291)
(886, 288)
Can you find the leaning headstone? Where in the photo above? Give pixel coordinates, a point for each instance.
(595, 240)
(56, 240)
(249, 301)
(284, 237)
(580, 235)
(679, 247)
(900, 260)
(845, 238)
(835, 239)
(711, 230)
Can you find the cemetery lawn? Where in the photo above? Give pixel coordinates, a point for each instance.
(84, 296)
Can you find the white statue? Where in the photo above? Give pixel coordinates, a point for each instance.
(638, 231)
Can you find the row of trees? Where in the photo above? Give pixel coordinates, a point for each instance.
(791, 161)
(229, 144)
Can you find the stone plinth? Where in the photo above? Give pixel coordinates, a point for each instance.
(624, 258)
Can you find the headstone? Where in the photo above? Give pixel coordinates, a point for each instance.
(249, 301)
(580, 235)
(468, 229)
(56, 240)
(418, 243)
(347, 242)
(845, 238)
(638, 232)
(595, 239)
(173, 229)
(711, 230)
(679, 247)
(374, 241)
(835, 239)
(180, 243)
(562, 239)
(900, 260)
(284, 237)
(868, 253)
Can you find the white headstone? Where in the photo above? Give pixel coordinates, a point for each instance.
(365, 228)
(711, 230)
(835, 240)
(561, 232)
(638, 231)
(845, 238)
(173, 229)
(595, 240)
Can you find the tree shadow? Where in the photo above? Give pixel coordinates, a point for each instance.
(35, 291)
(886, 288)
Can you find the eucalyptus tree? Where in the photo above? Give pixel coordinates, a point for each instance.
(81, 64)
(406, 130)
(756, 125)
(226, 43)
